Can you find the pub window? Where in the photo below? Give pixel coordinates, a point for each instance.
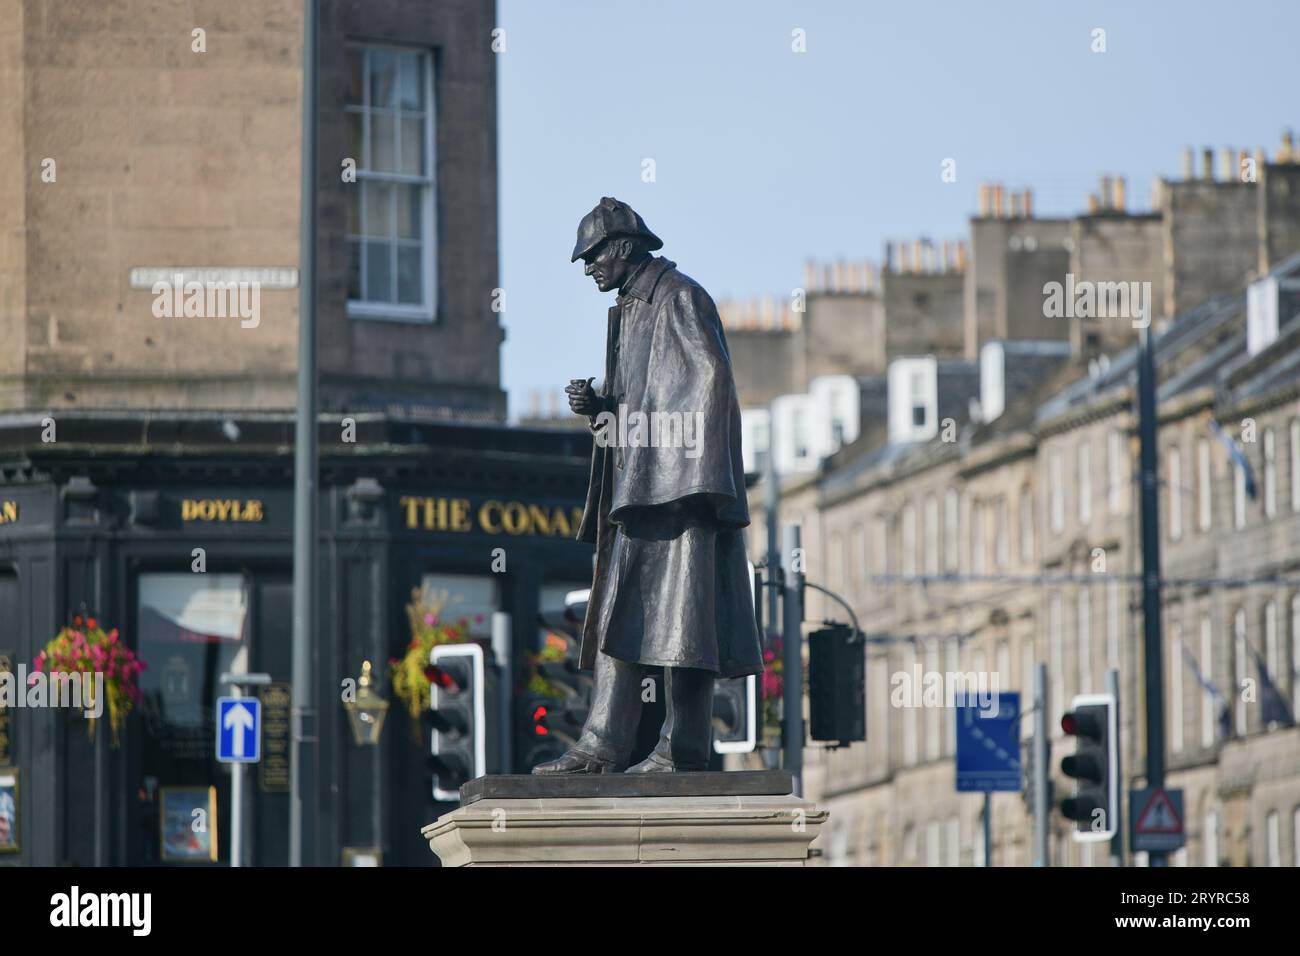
(391, 235)
(465, 596)
(192, 628)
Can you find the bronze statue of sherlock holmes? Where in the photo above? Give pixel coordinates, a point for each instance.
(665, 507)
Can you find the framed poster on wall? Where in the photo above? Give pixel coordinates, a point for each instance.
(8, 810)
(188, 817)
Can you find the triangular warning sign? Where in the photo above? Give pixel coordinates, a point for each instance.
(1159, 816)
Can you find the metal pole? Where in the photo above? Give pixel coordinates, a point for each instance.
(1117, 841)
(302, 757)
(501, 650)
(988, 827)
(236, 802)
(1154, 667)
(771, 505)
(1042, 754)
(792, 605)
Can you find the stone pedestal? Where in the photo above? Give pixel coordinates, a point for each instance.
(679, 819)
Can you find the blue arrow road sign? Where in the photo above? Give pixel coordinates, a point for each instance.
(239, 729)
(988, 742)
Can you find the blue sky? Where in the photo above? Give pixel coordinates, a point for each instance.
(765, 157)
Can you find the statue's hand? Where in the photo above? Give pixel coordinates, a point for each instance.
(583, 399)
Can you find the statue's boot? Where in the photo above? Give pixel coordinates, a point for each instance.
(607, 737)
(687, 733)
(575, 761)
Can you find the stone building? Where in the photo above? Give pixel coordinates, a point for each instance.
(149, 139)
(1018, 544)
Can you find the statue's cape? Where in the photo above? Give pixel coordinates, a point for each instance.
(677, 419)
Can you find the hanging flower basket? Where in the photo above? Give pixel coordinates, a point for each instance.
(86, 649)
(773, 686)
(411, 674)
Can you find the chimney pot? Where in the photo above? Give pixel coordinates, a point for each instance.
(1120, 197)
(1207, 165)
(1092, 204)
(1029, 204)
(1189, 163)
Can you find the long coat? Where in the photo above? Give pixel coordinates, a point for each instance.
(665, 507)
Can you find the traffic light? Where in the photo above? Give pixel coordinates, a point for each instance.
(837, 685)
(551, 723)
(457, 714)
(539, 744)
(1094, 765)
(735, 715)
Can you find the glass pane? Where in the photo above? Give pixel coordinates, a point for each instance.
(410, 277)
(379, 209)
(383, 78)
(379, 275)
(462, 596)
(413, 146)
(383, 143)
(354, 207)
(409, 211)
(352, 130)
(191, 628)
(354, 269)
(356, 85)
(412, 94)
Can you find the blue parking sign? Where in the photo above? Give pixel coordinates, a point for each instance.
(988, 743)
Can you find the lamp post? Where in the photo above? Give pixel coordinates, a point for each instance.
(366, 712)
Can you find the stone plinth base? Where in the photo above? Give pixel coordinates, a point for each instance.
(718, 819)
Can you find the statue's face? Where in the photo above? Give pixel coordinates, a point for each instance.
(607, 264)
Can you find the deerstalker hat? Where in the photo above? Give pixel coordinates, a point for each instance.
(610, 218)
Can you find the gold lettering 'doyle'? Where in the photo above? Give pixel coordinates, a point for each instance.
(221, 509)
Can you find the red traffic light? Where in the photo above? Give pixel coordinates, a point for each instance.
(539, 718)
(1070, 723)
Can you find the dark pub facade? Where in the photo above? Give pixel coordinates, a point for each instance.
(176, 529)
